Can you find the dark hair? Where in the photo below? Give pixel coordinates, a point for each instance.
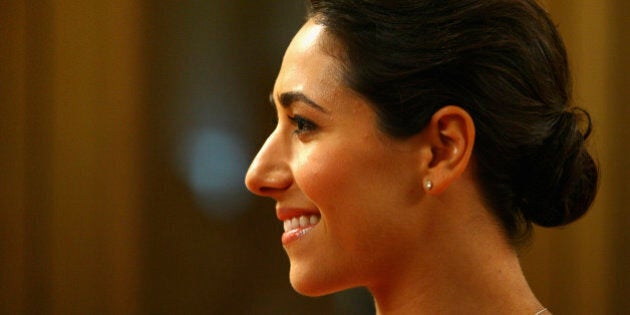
(504, 62)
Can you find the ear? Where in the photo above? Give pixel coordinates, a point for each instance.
(451, 138)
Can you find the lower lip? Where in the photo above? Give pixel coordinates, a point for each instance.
(295, 234)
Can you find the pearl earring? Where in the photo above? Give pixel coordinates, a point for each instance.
(428, 184)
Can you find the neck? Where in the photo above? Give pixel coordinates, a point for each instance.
(473, 271)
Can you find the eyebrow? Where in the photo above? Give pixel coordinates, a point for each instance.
(288, 98)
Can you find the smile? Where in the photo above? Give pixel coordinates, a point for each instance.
(297, 227)
(300, 222)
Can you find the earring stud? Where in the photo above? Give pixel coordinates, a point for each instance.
(428, 184)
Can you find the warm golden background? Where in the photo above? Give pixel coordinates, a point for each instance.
(126, 127)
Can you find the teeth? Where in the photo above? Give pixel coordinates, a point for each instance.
(300, 222)
(304, 221)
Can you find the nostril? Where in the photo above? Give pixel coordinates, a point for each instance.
(267, 182)
(275, 184)
(266, 190)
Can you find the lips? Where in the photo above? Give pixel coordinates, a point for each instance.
(297, 223)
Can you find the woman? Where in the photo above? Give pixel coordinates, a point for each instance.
(417, 142)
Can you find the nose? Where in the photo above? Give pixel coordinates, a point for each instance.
(269, 174)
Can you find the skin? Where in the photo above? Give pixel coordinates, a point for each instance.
(416, 250)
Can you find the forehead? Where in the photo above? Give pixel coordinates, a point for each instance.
(307, 37)
(306, 66)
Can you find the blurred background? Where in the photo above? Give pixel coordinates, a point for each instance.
(126, 128)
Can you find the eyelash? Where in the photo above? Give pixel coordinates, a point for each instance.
(303, 125)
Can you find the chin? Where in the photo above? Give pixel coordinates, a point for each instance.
(314, 283)
(307, 290)
(307, 284)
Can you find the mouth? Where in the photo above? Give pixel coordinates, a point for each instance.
(303, 221)
(297, 224)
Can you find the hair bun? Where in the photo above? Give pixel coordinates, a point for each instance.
(565, 180)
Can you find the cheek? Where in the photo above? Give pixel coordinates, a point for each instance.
(339, 171)
(319, 172)
(346, 180)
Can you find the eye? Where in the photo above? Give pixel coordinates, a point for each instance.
(302, 124)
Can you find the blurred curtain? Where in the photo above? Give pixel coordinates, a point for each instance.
(71, 89)
(97, 216)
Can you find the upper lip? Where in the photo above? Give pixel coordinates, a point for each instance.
(285, 213)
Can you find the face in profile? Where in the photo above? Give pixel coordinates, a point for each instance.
(346, 193)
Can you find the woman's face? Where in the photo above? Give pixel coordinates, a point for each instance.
(347, 193)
